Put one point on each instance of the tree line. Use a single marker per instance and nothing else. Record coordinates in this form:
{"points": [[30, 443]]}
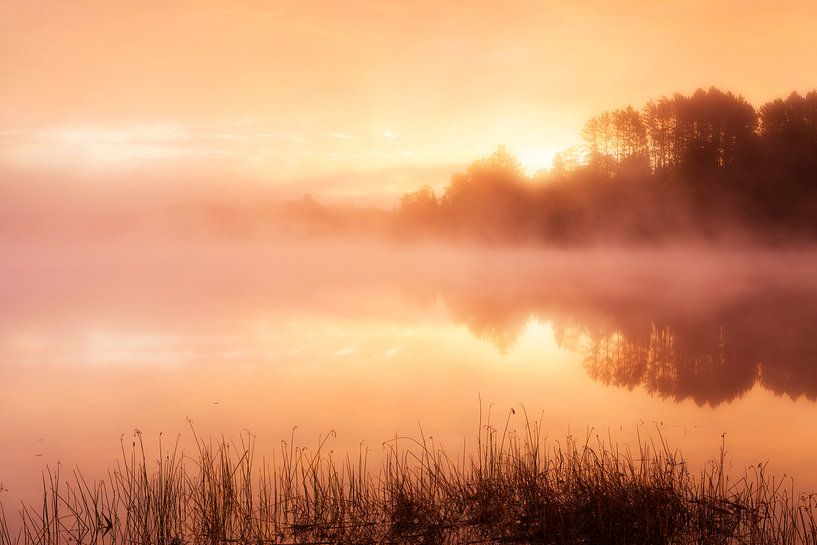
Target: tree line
{"points": [[707, 164]]}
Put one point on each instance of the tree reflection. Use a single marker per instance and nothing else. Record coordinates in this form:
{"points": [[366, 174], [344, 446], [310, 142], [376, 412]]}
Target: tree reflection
{"points": [[708, 355]]}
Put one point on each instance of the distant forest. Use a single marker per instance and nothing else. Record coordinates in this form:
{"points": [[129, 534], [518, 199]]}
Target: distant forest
{"points": [[706, 165]]}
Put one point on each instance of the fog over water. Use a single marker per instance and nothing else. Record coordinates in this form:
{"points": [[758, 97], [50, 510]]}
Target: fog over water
{"points": [[104, 334], [331, 229]]}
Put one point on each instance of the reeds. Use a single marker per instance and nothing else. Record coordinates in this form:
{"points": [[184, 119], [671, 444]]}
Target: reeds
{"points": [[516, 488]]}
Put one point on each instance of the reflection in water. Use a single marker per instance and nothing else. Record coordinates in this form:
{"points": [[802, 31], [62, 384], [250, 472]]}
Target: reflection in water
{"points": [[709, 355], [97, 340], [680, 323]]}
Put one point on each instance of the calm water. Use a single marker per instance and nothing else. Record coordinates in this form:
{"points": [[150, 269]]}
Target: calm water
{"points": [[99, 340]]}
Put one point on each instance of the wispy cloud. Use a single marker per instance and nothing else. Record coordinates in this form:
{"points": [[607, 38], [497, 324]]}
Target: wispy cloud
{"points": [[106, 145], [260, 149]]}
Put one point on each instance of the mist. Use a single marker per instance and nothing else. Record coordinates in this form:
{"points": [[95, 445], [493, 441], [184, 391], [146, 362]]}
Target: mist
{"points": [[696, 297], [432, 272]]}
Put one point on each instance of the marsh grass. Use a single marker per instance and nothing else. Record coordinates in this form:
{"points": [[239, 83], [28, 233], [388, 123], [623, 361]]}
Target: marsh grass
{"points": [[514, 488]]}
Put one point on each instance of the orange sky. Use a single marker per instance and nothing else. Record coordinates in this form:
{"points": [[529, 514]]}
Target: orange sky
{"points": [[358, 98]]}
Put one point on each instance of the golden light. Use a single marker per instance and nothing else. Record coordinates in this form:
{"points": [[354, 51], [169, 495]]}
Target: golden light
{"points": [[535, 159]]}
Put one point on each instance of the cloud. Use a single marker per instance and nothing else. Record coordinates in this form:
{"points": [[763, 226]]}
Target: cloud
{"points": [[128, 146], [331, 165]]}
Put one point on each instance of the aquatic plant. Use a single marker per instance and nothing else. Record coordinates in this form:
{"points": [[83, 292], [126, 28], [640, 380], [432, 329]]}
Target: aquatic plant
{"points": [[516, 487]]}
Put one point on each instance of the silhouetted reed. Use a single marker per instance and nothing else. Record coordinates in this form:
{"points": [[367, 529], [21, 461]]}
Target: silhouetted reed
{"points": [[517, 487]]}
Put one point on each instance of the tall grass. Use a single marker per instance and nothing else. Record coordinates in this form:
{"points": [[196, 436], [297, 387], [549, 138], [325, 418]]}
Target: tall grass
{"points": [[514, 488]]}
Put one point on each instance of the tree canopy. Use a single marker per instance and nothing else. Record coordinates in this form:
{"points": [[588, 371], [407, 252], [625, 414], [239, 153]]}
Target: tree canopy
{"points": [[705, 164]]}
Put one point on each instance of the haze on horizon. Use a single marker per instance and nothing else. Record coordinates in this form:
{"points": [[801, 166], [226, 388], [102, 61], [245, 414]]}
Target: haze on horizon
{"points": [[359, 216], [360, 101]]}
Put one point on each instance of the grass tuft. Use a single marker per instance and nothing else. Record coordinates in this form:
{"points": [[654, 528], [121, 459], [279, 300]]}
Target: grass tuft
{"points": [[517, 488]]}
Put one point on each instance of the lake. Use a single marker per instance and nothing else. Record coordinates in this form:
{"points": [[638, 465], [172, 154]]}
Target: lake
{"points": [[698, 345]]}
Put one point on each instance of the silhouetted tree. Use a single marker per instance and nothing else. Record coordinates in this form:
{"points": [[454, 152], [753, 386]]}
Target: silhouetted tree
{"points": [[660, 121], [489, 198], [696, 165], [630, 134], [419, 211], [711, 127], [565, 164]]}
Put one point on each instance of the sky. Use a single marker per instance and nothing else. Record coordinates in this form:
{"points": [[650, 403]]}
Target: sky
{"points": [[356, 100]]}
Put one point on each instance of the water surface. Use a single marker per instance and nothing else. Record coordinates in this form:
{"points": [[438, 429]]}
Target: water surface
{"points": [[98, 340]]}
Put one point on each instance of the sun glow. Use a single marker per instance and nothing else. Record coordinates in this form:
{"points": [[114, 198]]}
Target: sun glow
{"points": [[534, 159]]}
